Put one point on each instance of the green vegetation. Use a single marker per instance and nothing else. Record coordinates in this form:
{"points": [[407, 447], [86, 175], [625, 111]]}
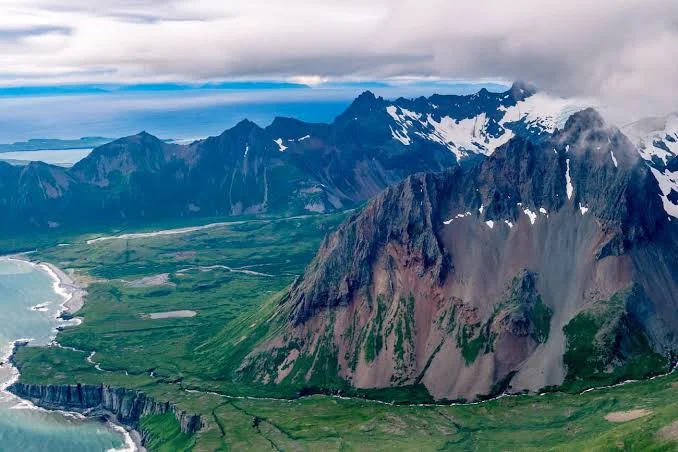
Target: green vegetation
{"points": [[195, 362], [163, 433], [471, 339], [375, 338], [605, 345], [540, 317], [521, 312]]}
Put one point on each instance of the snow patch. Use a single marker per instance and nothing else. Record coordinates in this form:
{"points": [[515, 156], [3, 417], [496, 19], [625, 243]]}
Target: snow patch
{"points": [[614, 160], [247, 149], [583, 209], [404, 119], [281, 146], [569, 188], [305, 137], [482, 207], [544, 211], [459, 215], [531, 215], [465, 135], [544, 112], [667, 181], [400, 136], [655, 137], [490, 223], [510, 225]]}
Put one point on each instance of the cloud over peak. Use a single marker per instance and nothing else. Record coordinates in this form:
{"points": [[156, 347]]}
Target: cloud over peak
{"points": [[622, 52]]}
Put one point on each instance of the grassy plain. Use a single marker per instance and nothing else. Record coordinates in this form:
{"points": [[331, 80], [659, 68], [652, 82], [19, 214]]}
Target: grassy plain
{"points": [[233, 277]]}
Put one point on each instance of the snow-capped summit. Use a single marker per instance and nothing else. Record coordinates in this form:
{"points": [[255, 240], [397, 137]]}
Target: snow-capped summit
{"points": [[657, 142], [481, 122], [655, 137]]}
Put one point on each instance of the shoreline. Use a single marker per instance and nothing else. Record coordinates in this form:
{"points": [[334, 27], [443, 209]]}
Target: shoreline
{"points": [[73, 293]]}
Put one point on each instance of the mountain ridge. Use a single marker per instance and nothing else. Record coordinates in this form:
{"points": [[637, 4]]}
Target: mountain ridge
{"points": [[481, 276], [287, 167]]}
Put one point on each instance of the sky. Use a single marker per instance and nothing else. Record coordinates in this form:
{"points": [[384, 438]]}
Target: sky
{"points": [[622, 52]]}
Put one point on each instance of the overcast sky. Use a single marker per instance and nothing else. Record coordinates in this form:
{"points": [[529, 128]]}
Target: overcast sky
{"points": [[624, 52]]}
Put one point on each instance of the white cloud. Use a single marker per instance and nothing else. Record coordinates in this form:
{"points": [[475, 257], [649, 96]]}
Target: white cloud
{"points": [[621, 51]]}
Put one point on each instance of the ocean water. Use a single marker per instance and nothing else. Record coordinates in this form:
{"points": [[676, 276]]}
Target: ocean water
{"points": [[63, 157], [28, 307]]}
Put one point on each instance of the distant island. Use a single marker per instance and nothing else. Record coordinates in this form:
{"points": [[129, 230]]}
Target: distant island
{"points": [[39, 144]]}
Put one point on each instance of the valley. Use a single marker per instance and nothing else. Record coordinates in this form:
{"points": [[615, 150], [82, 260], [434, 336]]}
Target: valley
{"points": [[338, 226], [485, 271], [190, 361]]}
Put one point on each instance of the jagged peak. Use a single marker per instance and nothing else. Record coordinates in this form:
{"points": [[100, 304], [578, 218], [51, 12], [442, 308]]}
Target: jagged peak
{"points": [[589, 118], [366, 99], [366, 96], [364, 103], [522, 90], [246, 123], [244, 127], [587, 131]]}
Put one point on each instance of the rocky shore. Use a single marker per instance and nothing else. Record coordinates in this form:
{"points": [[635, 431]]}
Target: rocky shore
{"points": [[120, 405], [124, 407]]}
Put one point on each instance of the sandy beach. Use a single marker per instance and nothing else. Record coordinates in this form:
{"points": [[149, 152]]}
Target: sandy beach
{"points": [[67, 286]]}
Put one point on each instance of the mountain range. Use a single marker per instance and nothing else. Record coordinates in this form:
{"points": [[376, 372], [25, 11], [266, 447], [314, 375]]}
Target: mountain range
{"points": [[288, 167], [550, 263], [511, 242]]}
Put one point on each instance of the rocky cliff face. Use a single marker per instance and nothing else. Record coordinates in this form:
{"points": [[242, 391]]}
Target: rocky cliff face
{"points": [[469, 280], [128, 406]]}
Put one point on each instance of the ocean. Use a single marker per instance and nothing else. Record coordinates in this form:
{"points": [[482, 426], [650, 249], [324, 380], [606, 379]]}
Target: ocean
{"points": [[29, 306]]}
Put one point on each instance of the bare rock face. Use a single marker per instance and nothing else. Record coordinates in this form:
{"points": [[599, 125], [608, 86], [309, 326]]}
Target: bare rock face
{"points": [[468, 281], [403, 217], [128, 406]]}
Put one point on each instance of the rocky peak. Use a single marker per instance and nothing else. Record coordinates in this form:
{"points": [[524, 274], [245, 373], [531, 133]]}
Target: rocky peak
{"points": [[363, 105], [124, 156], [245, 125], [521, 90], [403, 215], [242, 129], [519, 176]]}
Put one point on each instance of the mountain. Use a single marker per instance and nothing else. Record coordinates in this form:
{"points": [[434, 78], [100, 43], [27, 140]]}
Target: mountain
{"points": [[551, 262], [288, 167]]}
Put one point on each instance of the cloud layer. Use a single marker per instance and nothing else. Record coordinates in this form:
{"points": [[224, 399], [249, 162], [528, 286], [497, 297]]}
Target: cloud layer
{"points": [[622, 51]]}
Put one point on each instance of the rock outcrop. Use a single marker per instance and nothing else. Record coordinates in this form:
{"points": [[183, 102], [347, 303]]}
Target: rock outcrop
{"points": [[126, 405]]}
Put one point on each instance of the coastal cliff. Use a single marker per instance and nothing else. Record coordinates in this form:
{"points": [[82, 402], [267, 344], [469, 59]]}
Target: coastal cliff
{"points": [[127, 406]]}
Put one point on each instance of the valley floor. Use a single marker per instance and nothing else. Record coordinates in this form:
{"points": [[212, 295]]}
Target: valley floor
{"points": [[173, 315]]}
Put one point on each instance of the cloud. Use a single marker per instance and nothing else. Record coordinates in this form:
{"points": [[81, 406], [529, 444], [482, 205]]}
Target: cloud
{"points": [[621, 51]]}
